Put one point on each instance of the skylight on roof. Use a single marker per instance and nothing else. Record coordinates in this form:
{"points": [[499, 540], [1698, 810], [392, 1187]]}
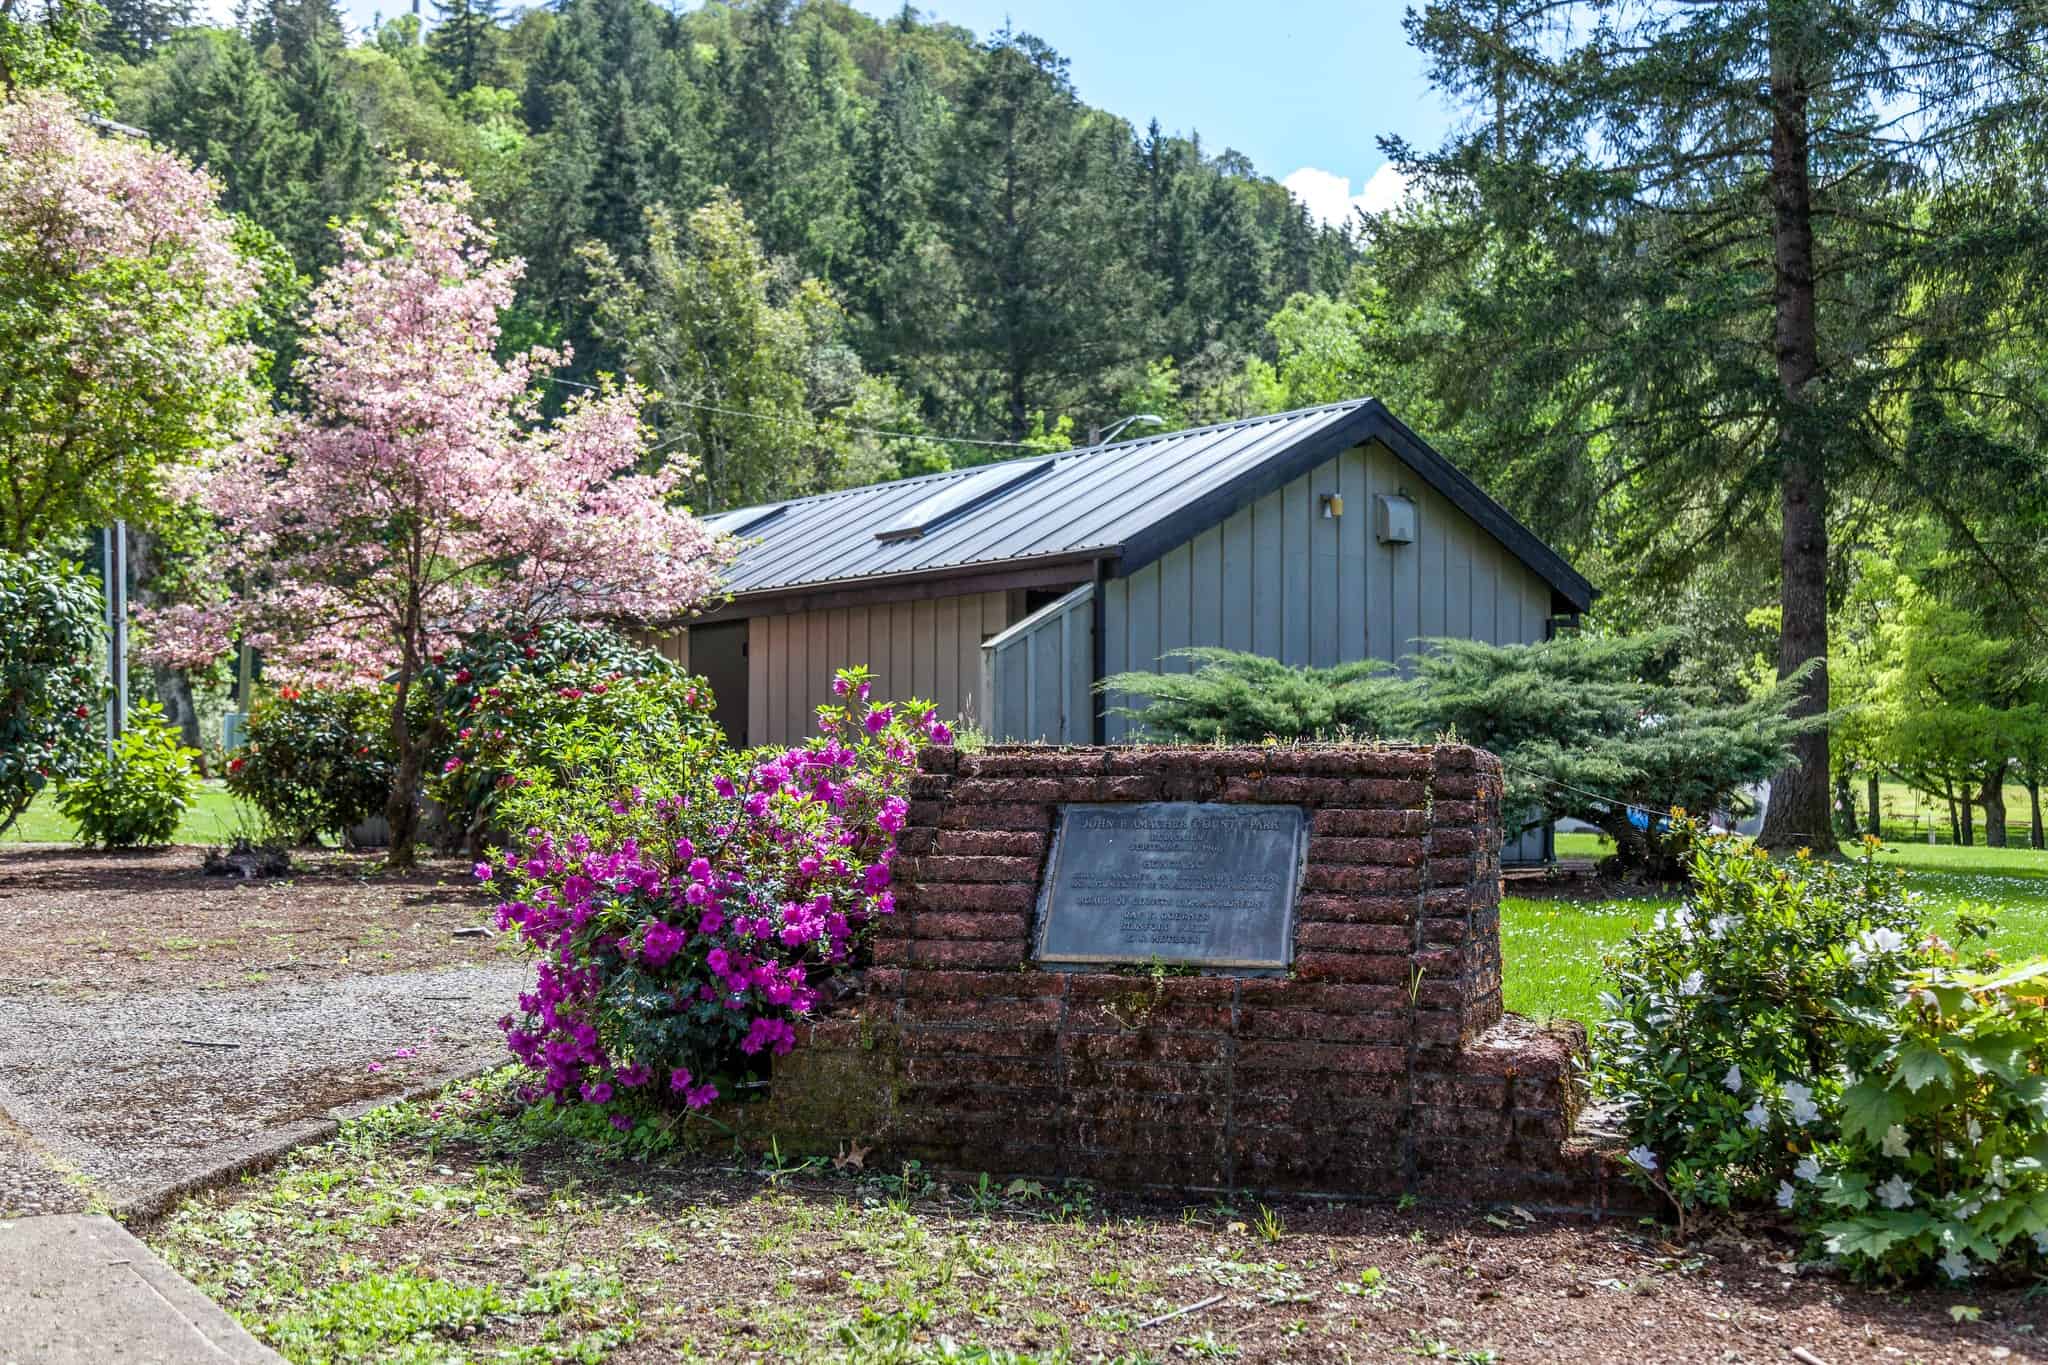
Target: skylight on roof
{"points": [[958, 497], [746, 520]]}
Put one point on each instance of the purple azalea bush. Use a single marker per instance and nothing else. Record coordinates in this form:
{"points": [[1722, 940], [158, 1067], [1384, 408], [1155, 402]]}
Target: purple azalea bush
{"points": [[681, 944]]}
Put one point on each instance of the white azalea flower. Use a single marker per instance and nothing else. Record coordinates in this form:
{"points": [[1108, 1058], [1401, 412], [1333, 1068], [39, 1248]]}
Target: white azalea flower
{"points": [[1695, 984], [1975, 1130], [1758, 1116], [1804, 1110], [1895, 1142], [1998, 1174], [1808, 1169], [1733, 1080], [1643, 1157], [1955, 1265], [1786, 1194], [1872, 942], [1719, 925], [2041, 1242], [1895, 1194]]}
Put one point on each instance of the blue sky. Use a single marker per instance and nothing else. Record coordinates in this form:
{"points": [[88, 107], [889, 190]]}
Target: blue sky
{"points": [[1302, 87]]}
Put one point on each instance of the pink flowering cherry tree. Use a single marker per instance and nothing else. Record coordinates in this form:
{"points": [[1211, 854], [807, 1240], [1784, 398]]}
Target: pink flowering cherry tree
{"points": [[420, 494]]}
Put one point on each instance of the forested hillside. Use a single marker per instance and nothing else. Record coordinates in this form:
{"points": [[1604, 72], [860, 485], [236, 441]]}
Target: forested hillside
{"points": [[790, 220]]}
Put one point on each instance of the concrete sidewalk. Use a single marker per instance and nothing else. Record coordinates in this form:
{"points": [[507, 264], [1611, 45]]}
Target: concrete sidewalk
{"points": [[77, 1289]]}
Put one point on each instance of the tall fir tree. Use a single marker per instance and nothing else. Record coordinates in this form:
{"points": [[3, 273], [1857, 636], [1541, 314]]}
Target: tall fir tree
{"points": [[463, 45], [1044, 300], [133, 29], [341, 171], [1698, 258]]}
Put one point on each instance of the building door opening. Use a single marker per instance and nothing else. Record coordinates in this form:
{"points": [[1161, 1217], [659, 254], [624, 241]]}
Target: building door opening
{"points": [[718, 655]]}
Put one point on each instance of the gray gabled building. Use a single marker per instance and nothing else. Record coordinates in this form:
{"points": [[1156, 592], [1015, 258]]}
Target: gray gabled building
{"points": [[1004, 592]]}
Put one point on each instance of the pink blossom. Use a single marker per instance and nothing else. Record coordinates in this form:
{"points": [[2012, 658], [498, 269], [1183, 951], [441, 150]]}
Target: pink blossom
{"points": [[420, 495]]}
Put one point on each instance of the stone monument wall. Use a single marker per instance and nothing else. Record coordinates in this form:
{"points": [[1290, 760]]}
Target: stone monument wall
{"points": [[1379, 1062]]}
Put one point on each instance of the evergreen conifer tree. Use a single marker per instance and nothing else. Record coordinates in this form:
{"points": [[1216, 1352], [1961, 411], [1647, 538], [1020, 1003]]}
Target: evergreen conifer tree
{"points": [[1699, 255]]}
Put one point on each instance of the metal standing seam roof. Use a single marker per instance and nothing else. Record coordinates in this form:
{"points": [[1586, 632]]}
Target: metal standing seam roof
{"points": [[1131, 501]]}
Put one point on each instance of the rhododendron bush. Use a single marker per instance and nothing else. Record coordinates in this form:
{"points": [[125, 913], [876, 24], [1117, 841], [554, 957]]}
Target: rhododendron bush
{"points": [[560, 704], [420, 496], [683, 940], [1795, 1037]]}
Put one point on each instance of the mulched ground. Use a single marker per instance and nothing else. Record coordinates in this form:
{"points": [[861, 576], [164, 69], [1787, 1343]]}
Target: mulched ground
{"points": [[74, 920], [548, 1241]]}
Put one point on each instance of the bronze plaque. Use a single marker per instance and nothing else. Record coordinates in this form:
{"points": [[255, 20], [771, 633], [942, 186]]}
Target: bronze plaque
{"points": [[1192, 883]]}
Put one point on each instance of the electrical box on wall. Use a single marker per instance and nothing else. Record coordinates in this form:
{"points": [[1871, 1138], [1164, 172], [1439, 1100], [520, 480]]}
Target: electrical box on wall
{"points": [[1396, 520]]}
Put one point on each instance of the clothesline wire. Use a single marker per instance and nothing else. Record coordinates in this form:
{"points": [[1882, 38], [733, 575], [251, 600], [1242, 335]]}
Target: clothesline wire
{"points": [[792, 421]]}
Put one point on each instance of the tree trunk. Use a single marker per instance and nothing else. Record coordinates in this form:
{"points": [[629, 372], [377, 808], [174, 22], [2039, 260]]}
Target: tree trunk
{"points": [[1992, 797], [1967, 837], [402, 806], [1845, 803], [1955, 826], [1799, 810], [1870, 799], [2034, 809]]}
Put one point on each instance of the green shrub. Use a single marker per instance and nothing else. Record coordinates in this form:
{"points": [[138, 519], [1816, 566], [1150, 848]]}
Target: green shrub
{"points": [[1588, 727], [546, 749], [1793, 1037], [49, 687], [135, 796], [1234, 698], [1942, 1162], [471, 703], [318, 760]]}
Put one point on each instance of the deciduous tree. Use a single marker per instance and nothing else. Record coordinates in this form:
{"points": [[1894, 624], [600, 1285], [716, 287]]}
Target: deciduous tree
{"points": [[418, 496], [124, 310]]}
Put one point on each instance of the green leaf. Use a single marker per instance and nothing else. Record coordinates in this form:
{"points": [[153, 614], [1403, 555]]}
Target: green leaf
{"points": [[1919, 1066], [1869, 1236], [1868, 1109]]}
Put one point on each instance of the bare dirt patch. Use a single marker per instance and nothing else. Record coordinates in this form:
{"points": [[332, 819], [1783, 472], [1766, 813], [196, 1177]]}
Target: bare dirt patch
{"points": [[75, 920], [556, 1249]]}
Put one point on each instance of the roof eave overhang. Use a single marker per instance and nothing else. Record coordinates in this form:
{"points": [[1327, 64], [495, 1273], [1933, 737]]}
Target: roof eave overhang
{"points": [[1064, 569]]}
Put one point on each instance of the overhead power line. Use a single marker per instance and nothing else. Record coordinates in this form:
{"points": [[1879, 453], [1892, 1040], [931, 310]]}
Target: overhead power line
{"points": [[797, 422]]}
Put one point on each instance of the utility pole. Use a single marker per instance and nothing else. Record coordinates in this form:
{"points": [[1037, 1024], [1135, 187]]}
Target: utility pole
{"points": [[114, 578]]}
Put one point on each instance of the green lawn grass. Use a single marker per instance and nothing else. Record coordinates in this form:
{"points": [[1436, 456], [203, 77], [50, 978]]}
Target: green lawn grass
{"points": [[1551, 949], [213, 818]]}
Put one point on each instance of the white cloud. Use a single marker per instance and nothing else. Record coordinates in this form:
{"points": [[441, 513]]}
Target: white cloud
{"points": [[1329, 198]]}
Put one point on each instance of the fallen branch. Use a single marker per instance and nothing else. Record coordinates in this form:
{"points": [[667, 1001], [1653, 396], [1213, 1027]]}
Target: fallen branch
{"points": [[206, 1042], [1179, 1312], [1806, 1357]]}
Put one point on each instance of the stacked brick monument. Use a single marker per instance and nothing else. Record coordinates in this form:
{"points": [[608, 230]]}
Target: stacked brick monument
{"points": [[1360, 1049]]}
